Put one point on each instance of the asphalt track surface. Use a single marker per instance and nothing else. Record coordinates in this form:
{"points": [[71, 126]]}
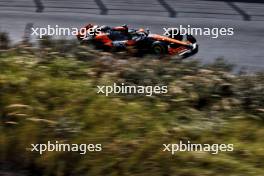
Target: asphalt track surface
{"points": [[245, 48]]}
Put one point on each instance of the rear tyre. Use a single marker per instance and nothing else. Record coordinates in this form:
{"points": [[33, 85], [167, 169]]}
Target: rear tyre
{"points": [[159, 48]]}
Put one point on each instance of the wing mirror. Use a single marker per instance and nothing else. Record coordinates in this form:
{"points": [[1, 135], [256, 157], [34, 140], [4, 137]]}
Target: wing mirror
{"points": [[147, 31]]}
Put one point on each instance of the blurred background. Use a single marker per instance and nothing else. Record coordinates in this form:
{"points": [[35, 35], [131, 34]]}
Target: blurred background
{"points": [[48, 91]]}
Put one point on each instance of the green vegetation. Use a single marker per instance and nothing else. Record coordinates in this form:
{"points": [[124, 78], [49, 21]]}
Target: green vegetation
{"points": [[49, 93]]}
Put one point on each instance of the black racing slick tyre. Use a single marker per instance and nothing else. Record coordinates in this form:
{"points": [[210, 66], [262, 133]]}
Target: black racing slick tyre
{"points": [[159, 48]]}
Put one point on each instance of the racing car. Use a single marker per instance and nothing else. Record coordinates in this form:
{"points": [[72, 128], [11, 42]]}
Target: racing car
{"points": [[121, 38]]}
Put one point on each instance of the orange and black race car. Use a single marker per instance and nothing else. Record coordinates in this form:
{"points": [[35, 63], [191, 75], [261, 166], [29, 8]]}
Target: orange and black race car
{"points": [[121, 38]]}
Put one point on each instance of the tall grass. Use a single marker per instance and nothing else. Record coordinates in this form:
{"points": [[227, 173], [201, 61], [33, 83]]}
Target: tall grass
{"points": [[49, 93]]}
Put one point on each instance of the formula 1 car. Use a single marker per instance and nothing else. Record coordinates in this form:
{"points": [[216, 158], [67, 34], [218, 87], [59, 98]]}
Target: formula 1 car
{"points": [[121, 38]]}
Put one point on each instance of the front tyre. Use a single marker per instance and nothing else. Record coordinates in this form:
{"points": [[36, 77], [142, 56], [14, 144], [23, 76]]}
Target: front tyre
{"points": [[159, 48]]}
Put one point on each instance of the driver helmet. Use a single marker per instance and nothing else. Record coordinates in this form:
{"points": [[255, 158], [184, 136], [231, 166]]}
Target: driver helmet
{"points": [[141, 30]]}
